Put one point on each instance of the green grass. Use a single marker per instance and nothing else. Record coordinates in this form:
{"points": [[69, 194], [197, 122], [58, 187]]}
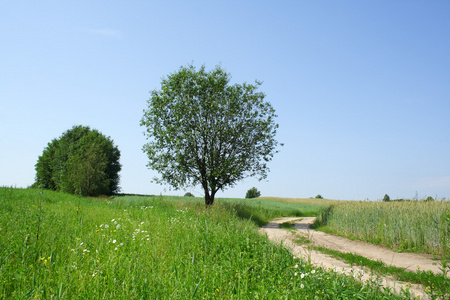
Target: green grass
{"points": [[59, 246], [413, 226], [260, 210]]}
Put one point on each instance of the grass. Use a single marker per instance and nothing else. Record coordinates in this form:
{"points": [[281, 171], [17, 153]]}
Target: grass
{"points": [[415, 226], [59, 246]]}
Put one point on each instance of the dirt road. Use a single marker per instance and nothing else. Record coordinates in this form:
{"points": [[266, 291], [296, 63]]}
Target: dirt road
{"points": [[408, 261]]}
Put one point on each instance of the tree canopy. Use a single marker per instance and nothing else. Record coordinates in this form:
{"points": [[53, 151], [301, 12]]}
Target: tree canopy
{"points": [[203, 131], [82, 161]]}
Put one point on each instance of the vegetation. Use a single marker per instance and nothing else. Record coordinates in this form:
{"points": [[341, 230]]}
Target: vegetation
{"points": [[319, 196], [386, 198], [55, 245], [189, 195], [203, 131], [82, 161], [418, 226], [253, 193]]}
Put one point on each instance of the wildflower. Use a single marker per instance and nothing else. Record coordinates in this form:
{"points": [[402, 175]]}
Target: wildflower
{"points": [[118, 226], [303, 275], [295, 274], [302, 286], [106, 226], [296, 266], [313, 271], [113, 220], [121, 244], [115, 249], [114, 241]]}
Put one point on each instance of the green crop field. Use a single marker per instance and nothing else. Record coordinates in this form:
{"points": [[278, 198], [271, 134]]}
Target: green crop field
{"points": [[418, 226], [59, 246]]}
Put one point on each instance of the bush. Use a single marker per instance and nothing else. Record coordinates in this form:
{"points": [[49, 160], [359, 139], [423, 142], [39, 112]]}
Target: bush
{"points": [[319, 196], [189, 195], [253, 193], [386, 198], [82, 161]]}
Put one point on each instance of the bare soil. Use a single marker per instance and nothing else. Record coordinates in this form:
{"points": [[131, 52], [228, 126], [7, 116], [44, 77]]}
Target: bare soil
{"points": [[408, 261]]}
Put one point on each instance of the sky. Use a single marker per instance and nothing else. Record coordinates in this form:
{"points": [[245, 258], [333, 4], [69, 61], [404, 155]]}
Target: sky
{"points": [[361, 88]]}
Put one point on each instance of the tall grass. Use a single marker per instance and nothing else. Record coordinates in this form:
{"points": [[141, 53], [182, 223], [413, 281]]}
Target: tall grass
{"points": [[262, 210], [59, 246], [418, 226]]}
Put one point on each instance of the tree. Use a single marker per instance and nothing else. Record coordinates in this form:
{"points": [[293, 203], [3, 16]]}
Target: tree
{"points": [[319, 196], [253, 193], [386, 198], [82, 161], [203, 131]]}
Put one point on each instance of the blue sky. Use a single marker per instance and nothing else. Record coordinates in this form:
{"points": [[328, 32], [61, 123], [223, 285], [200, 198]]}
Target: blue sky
{"points": [[361, 88]]}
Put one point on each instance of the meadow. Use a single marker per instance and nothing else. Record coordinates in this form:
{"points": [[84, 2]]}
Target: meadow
{"points": [[59, 246], [416, 226]]}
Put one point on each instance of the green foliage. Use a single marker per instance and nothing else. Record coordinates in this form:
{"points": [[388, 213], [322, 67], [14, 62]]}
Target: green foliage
{"points": [[82, 161], [386, 198], [253, 193], [59, 246], [189, 195], [203, 131], [319, 197], [429, 198]]}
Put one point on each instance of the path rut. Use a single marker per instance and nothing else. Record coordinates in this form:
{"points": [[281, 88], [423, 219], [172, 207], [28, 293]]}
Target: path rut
{"points": [[408, 261]]}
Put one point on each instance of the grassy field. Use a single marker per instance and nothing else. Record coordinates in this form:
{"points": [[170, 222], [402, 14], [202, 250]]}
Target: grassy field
{"points": [[59, 246], [418, 226]]}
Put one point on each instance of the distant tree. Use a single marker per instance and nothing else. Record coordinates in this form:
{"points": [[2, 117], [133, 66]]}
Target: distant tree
{"points": [[253, 193], [203, 131], [319, 197], [82, 161], [429, 198], [189, 195], [386, 198]]}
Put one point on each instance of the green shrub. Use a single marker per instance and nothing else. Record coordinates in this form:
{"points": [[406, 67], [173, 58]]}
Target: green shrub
{"points": [[386, 198], [319, 196], [253, 193], [189, 195], [82, 161]]}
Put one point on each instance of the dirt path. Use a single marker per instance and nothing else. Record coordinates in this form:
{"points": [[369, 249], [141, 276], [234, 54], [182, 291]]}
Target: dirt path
{"points": [[408, 261]]}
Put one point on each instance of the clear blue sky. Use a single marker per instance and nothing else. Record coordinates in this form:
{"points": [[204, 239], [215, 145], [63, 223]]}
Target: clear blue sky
{"points": [[361, 88]]}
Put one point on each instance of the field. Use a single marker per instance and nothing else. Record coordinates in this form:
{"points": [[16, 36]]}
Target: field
{"points": [[416, 226], [59, 246]]}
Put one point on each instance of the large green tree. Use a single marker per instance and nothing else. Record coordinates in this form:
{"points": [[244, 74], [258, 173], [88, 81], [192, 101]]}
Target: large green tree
{"points": [[203, 131], [82, 161]]}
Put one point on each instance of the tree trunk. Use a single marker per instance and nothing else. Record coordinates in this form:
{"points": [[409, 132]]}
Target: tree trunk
{"points": [[208, 200], [209, 197]]}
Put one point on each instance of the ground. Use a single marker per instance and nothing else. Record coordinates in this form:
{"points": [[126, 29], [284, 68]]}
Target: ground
{"points": [[408, 261]]}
